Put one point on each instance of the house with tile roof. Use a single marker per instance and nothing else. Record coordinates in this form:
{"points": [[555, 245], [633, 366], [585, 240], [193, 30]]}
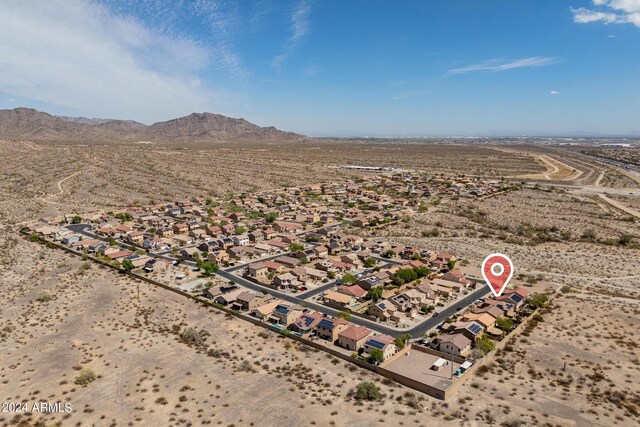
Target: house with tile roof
{"points": [[353, 337], [381, 342], [328, 329]]}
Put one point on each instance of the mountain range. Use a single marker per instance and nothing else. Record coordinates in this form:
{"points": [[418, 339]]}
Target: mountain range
{"points": [[33, 125]]}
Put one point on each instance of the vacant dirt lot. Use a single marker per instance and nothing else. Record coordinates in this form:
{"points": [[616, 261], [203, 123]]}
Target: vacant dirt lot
{"points": [[60, 317]]}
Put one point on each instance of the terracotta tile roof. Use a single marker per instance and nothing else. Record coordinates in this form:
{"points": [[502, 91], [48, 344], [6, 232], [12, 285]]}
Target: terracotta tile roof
{"points": [[355, 333]]}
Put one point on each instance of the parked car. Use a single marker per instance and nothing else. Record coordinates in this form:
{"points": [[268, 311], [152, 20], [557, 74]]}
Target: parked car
{"points": [[435, 314]]}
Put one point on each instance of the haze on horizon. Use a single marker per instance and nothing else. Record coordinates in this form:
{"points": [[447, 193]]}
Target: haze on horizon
{"points": [[331, 68]]}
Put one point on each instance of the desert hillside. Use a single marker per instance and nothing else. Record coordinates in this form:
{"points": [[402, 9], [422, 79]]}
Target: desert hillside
{"points": [[33, 125]]}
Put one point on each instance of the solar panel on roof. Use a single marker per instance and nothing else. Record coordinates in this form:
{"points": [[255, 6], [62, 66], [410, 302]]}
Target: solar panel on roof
{"points": [[308, 321], [326, 324], [516, 297], [474, 328], [282, 309], [376, 344]]}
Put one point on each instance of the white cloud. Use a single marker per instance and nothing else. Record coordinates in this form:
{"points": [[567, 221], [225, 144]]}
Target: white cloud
{"points": [[555, 92], [299, 29], [609, 12], [81, 56], [496, 65]]}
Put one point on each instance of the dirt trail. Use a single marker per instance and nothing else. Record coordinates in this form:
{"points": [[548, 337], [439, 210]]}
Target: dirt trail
{"points": [[620, 206], [32, 146], [599, 179], [630, 175], [556, 170], [60, 189], [569, 276]]}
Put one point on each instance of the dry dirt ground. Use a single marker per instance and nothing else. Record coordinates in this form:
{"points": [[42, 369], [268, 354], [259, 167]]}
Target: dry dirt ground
{"points": [[555, 170], [129, 333]]}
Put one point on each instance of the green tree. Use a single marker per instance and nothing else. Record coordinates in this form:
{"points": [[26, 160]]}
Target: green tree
{"points": [[421, 271], [344, 315], [239, 230], [451, 264], [127, 264], [367, 391], [34, 237], [369, 262], [76, 219], [538, 300], [208, 268], [505, 324], [485, 344], [375, 293], [348, 279], [331, 274], [270, 217], [402, 340], [296, 247], [406, 275], [376, 356]]}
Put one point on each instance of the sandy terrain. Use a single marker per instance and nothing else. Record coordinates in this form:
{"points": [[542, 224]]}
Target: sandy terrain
{"points": [[556, 170], [128, 333]]}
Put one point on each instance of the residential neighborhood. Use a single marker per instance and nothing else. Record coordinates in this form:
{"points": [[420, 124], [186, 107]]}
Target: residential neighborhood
{"points": [[297, 261]]}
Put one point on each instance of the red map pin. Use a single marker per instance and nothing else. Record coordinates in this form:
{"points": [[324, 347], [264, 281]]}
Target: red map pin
{"points": [[497, 270]]}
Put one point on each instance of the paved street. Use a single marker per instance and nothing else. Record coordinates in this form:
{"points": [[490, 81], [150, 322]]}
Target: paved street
{"points": [[227, 274]]}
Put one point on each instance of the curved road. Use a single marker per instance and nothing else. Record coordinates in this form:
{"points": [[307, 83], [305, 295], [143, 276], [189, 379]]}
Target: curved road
{"points": [[416, 331]]}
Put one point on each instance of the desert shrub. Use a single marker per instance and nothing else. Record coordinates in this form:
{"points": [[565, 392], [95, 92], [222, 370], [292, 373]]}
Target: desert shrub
{"points": [[588, 234], [191, 336], [85, 377], [413, 401], [434, 232], [367, 391], [45, 297], [513, 423], [625, 239], [216, 353], [245, 366]]}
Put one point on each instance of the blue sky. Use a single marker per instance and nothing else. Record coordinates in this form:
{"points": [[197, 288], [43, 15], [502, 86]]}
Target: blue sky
{"points": [[321, 67]]}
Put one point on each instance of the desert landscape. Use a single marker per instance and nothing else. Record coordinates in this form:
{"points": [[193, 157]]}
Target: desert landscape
{"points": [[319, 213], [575, 364]]}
